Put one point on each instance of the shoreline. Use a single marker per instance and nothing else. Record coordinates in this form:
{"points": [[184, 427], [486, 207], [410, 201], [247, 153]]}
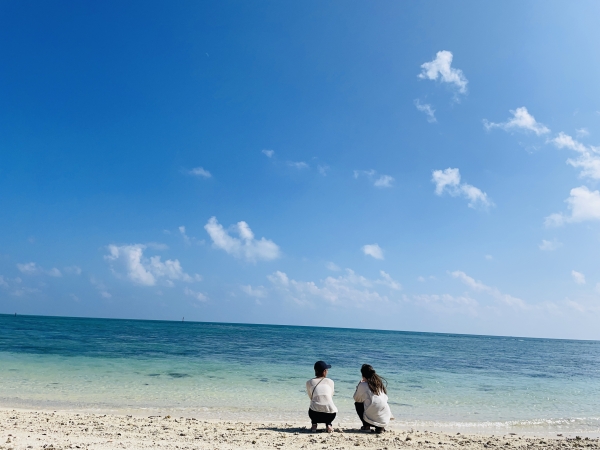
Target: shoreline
{"points": [[28, 429]]}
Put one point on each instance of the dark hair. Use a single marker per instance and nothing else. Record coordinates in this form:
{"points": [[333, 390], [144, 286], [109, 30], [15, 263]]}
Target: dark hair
{"points": [[319, 373], [376, 383]]}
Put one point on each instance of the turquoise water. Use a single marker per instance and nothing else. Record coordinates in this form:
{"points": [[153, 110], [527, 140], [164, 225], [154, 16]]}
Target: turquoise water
{"points": [[257, 372]]}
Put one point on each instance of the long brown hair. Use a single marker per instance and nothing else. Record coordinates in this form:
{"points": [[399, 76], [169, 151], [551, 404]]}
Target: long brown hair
{"points": [[376, 383]]}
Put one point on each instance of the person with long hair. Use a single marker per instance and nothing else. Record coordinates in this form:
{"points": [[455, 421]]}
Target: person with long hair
{"points": [[320, 391], [371, 400]]}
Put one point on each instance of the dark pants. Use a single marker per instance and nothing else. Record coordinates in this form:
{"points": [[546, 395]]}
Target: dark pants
{"points": [[360, 410], [320, 417]]}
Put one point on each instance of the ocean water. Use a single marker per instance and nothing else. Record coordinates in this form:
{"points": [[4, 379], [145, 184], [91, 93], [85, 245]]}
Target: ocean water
{"points": [[492, 385]]}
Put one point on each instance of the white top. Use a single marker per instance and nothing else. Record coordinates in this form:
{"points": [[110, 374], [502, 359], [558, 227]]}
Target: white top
{"points": [[377, 410], [320, 391]]}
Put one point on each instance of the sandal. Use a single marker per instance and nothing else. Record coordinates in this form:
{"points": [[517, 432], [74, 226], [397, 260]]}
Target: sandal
{"points": [[365, 428]]}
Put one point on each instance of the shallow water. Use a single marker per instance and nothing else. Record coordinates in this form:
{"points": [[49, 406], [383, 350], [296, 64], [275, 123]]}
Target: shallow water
{"points": [[257, 372]]}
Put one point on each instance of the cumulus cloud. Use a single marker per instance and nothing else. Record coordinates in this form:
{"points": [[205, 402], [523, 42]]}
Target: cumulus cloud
{"points": [[298, 164], [448, 180], [583, 204], [441, 67], [196, 295], [578, 277], [246, 246], [478, 286], [73, 270], [200, 172], [268, 153], [549, 246], [145, 271], [185, 237], [380, 181], [256, 292], [373, 250], [427, 109], [387, 280], [589, 156], [521, 121], [32, 268], [348, 289]]}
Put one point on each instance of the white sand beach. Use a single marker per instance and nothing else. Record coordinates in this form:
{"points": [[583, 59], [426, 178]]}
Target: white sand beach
{"points": [[21, 430]]}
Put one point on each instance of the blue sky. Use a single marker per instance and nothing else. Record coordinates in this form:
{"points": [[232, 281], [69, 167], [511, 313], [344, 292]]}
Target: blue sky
{"points": [[399, 165]]}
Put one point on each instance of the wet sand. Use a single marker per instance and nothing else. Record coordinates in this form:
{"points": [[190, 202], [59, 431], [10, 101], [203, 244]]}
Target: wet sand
{"points": [[21, 430]]}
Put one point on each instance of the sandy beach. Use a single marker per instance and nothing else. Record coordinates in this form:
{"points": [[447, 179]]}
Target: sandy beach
{"points": [[20, 430]]}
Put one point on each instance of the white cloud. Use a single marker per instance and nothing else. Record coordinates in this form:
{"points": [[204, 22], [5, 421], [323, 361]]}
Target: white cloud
{"points": [[101, 287], [373, 250], [298, 164], [489, 257], [142, 270], [521, 120], [197, 295], [73, 270], [446, 300], [478, 286], [381, 181], [257, 292], [588, 159], [3, 282], [349, 289], [388, 281], [333, 267], [246, 246], [185, 237], [32, 268], [582, 132], [578, 277], [441, 68], [549, 246], [584, 205], [427, 109], [269, 153], [200, 172], [323, 169], [448, 180]]}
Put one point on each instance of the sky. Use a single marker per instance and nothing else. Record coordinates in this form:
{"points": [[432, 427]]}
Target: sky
{"points": [[419, 166]]}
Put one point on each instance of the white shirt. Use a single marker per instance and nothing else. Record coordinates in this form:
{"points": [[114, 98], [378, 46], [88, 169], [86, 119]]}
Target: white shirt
{"points": [[377, 410], [320, 391]]}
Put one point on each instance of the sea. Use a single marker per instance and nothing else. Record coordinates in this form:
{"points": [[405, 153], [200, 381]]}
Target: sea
{"points": [[243, 372]]}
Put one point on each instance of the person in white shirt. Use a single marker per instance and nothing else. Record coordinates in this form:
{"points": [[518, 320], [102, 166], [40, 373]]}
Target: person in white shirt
{"points": [[371, 400], [320, 391]]}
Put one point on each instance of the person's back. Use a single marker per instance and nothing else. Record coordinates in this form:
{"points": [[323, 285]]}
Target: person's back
{"points": [[320, 390], [371, 400]]}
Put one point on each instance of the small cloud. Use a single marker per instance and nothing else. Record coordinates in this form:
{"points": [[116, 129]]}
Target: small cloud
{"points": [[373, 250], [489, 257], [448, 180], [549, 246], [421, 279], [323, 170], [298, 164], [3, 282], [584, 205], [441, 67], [73, 270], [582, 132], [578, 277], [268, 153], [427, 109], [521, 120], [588, 159], [200, 172], [246, 246], [196, 295], [333, 267], [388, 281], [257, 292], [185, 237], [101, 287], [32, 268], [380, 181]]}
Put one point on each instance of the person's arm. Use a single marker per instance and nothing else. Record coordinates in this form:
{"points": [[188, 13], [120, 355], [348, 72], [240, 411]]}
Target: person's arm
{"points": [[332, 388], [308, 389], [359, 395]]}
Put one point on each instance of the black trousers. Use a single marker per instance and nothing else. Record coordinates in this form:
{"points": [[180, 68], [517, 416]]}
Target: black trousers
{"points": [[360, 410], [320, 417]]}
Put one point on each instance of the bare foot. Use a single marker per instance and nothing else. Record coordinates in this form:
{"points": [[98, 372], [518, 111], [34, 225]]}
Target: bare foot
{"points": [[329, 429], [313, 429]]}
